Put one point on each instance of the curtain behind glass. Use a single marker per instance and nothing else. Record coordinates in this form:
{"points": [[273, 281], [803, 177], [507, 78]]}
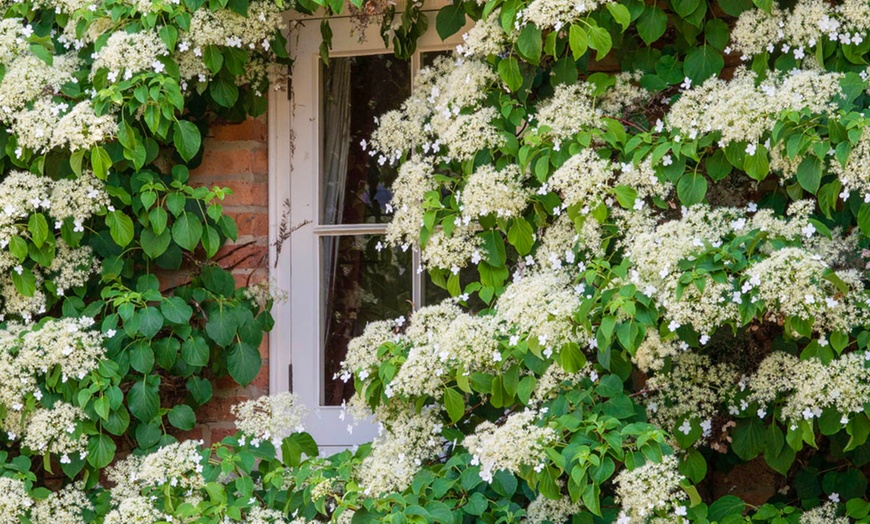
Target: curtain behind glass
{"points": [[336, 145]]}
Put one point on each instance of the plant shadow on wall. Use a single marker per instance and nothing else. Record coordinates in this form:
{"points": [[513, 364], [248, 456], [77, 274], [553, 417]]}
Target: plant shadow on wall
{"points": [[674, 266]]}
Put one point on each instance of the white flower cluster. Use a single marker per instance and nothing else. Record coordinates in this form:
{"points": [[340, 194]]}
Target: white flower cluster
{"points": [[584, 179], [489, 190], [556, 14], [694, 387], [271, 417], [855, 175], [13, 38], [519, 441], [133, 509], [362, 352], [486, 38], [625, 96], [824, 514], [791, 282], [28, 77], [452, 251], [570, 110], [742, 111], [464, 341], [564, 238], [415, 179], [543, 509], [66, 344], [48, 125], [126, 54], [55, 431], [798, 31], [65, 506], [177, 466], [540, 305], [650, 489], [788, 281], [443, 112], [809, 386], [401, 448], [14, 500]]}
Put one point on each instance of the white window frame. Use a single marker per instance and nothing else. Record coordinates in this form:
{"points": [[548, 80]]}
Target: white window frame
{"points": [[294, 169]]}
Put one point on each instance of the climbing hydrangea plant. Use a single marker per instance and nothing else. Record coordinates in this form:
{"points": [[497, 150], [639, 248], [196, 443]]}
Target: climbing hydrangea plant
{"points": [[664, 209]]}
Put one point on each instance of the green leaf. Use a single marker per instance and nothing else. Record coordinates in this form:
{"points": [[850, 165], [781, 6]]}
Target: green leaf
{"points": [[572, 357], [651, 25], [38, 227], [224, 92], [143, 401], [450, 20], [213, 58], [684, 8], [703, 62], [621, 14], [625, 195], [578, 40], [150, 321], [154, 245], [521, 236], [509, 72], [454, 402], [221, 326], [100, 162], [725, 506], [693, 465], [25, 281], [864, 219], [243, 363], [195, 351], [692, 188], [120, 227], [757, 166], [476, 505], [749, 438], [187, 231], [809, 173], [176, 310], [142, 357], [530, 43], [599, 39], [200, 389], [609, 386], [158, 219], [101, 451], [182, 417], [186, 138], [148, 435]]}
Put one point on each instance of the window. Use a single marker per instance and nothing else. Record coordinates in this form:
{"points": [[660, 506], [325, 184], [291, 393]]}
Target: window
{"points": [[338, 273]]}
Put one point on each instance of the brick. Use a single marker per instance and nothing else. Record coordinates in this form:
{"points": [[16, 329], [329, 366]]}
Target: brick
{"points": [[220, 162], [244, 256], [218, 433], [199, 432], [251, 223], [246, 193], [260, 161], [218, 408], [251, 129], [261, 381]]}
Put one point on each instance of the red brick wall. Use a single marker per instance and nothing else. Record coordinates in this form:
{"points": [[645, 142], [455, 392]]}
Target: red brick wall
{"points": [[236, 156]]}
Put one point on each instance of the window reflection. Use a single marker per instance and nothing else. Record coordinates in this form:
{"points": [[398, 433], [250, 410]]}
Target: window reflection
{"points": [[354, 187], [360, 284]]}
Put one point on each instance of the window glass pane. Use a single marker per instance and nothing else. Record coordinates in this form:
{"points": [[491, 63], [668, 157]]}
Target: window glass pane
{"points": [[354, 188], [359, 284]]}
